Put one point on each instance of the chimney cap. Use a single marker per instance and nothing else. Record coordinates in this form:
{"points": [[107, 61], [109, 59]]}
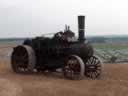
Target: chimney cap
{"points": [[81, 16]]}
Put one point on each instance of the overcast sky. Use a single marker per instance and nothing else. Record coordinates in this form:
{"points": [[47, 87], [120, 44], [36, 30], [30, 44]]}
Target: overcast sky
{"points": [[26, 18]]}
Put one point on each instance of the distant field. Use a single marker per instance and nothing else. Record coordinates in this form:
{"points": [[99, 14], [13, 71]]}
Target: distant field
{"points": [[109, 50], [116, 46]]}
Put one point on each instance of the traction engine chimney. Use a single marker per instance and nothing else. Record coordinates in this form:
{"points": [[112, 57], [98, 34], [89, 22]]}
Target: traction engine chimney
{"points": [[81, 28]]}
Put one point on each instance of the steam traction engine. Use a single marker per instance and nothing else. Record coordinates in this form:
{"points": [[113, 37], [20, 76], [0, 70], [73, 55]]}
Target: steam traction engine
{"points": [[62, 51]]}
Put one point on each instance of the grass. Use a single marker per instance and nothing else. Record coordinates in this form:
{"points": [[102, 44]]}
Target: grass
{"points": [[116, 46]]}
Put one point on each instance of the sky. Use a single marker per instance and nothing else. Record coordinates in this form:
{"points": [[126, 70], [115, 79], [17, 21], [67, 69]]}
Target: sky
{"points": [[29, 18]]}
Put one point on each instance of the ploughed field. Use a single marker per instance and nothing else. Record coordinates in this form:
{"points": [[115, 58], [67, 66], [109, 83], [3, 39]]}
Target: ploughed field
{"points": [[113, 82]]}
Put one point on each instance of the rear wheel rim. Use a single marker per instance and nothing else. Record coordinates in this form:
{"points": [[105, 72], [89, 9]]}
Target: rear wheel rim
{"points": [[74, 68]]}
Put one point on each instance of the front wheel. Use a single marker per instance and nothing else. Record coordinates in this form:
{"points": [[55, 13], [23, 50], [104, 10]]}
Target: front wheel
{"points": [[93, 67]]}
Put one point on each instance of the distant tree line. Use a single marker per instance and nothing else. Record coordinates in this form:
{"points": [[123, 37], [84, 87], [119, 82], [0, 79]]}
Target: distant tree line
{"points": [[97, 40]]}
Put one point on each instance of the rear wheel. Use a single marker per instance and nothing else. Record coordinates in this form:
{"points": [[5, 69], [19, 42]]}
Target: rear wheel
{"points": [[74, 68], [23, 59]]}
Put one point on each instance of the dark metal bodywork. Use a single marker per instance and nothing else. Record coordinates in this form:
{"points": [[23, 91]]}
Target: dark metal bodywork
{"points": [[51, 52]]}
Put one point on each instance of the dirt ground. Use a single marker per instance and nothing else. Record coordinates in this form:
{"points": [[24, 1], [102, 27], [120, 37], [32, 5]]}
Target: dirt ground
{"points": [[113, 82]]}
